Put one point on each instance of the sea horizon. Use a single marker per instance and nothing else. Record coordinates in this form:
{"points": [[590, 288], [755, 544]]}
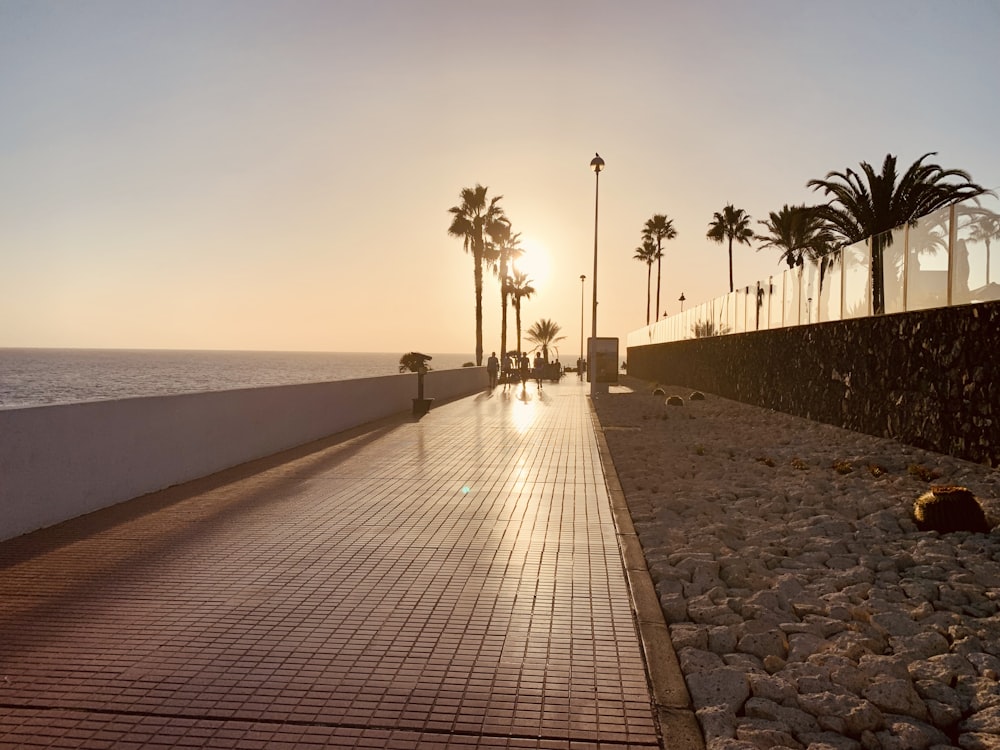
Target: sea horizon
{"points": [[44, 376]]}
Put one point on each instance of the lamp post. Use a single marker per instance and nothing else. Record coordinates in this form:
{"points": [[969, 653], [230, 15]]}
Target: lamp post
{"points": [[597, 164], [681, 300], [579, 363]]}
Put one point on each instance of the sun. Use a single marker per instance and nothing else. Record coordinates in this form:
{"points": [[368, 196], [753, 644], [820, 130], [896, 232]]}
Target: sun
{"points": [[535, 262]]}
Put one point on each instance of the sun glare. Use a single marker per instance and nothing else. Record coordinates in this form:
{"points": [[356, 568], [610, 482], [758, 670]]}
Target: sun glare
{"points": [[535, 261]]}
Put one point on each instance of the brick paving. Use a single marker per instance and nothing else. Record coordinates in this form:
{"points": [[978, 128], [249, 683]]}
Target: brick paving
{"points": [[454, 582]]}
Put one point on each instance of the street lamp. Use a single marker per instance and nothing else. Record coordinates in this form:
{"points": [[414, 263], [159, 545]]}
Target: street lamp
{"points": [[579, 362], [597, 164], [681, 300]]}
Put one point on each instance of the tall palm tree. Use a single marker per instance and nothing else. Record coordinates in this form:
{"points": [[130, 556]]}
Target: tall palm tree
{"points": [[508, 250], [477, 220], [647, 253], [544, 333], [871, 203], [799, 232], [658, 228], [732, 224], [520, 289]]}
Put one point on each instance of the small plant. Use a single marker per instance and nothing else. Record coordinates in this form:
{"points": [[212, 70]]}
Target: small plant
{"points": [[945, 509], [675, 401], [697, 396], [921, 472], [765, 460], [876, 470], [414, 362], [843, 467], [700, 450], [798, 463]]}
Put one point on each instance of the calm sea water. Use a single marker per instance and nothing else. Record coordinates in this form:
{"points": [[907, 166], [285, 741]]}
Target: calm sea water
{"points": [[33, 377]]}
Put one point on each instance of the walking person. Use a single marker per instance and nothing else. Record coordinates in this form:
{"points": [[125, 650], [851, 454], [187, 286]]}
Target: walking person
{"points": [[492, 367], [539, 369], [523, 366]]}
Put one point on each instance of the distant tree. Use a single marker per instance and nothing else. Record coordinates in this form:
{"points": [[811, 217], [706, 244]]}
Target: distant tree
{"points": [[477, 220], [732, 224], [658, 228], [647, 253], [508, 250], [520, 289], [544, 333], [871, 204], [799, 232]]}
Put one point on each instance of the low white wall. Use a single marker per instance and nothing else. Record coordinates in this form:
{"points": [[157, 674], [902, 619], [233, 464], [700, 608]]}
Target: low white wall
{"points": [[59, 462]]}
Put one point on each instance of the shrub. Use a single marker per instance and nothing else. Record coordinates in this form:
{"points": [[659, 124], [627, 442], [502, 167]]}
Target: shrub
{"points": [[945, 509]]}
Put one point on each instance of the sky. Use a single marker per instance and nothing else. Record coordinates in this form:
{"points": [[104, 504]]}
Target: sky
{"points": [[242, 174]]}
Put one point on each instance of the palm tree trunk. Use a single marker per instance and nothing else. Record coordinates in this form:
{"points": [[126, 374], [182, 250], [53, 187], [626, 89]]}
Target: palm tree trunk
{"points": [[878, 277], [517, 313], [503, 323], [656, 312], [730, 263], [649, 280], [479, 308]]}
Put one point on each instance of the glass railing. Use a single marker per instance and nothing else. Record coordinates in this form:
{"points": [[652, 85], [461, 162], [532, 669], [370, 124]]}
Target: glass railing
{"points": [[944, 259]]}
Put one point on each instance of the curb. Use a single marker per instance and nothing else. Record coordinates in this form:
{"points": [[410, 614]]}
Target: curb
{"points": [[679, 729]]}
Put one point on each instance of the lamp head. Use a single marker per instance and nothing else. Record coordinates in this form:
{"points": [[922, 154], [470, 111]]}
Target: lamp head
{"points": [[597, 163]]}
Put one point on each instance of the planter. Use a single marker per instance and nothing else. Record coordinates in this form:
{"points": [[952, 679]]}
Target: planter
{"points": [[421, 406]]}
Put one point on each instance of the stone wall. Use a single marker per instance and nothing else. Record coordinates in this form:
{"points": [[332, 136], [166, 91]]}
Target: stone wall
{"points": [[927, 378]]}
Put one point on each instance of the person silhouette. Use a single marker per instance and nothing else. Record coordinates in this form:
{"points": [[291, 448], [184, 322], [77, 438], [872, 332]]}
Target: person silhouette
{"points": [[493, 367]]}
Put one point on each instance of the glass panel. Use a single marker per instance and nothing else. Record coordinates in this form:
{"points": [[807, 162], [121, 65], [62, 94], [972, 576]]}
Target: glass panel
{"points": [[757, 307], [830, 280], [791, 283], [893, 252], [775, 303], [927, 262], [977, 238], [857, 281], [739, 310], [810, 292]]}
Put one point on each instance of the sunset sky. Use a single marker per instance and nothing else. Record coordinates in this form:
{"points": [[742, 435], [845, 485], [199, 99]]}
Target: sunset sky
{"points": [[239, 174]]}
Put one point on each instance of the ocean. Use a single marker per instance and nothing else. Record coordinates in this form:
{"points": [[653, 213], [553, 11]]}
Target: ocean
{"points": [[36, 377]]}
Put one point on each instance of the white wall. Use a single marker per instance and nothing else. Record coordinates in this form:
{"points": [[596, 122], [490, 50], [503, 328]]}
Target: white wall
{"points": [[59, 462]]}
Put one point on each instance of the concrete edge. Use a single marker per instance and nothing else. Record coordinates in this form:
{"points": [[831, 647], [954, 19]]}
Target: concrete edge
{"points": [[679, 727]]}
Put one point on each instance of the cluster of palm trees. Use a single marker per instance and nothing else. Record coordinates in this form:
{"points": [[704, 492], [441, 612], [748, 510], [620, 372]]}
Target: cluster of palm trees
{"points": [[480, 222], [861, 204]]}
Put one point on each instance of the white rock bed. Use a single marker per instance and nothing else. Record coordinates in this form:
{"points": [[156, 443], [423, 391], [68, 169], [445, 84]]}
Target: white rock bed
{"points": [[806, 608]]}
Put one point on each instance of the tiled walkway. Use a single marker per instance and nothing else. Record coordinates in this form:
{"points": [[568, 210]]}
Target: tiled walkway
{"points": [[453, 582]]}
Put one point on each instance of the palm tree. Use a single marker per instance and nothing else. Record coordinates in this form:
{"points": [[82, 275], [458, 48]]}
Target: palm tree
{"points": [[871, 204], [520, 289], [985, 228], [544, 333], [476, 220], [658, 228], [799, 232], [732, 224], [647, 253], [508, 250]]}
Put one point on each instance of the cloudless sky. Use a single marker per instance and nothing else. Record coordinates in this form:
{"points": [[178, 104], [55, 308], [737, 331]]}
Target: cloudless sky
{"points": [[240, 174]]}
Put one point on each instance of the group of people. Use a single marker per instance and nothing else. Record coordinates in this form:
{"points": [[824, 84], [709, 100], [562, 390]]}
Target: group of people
{"points": [[515, 368]]}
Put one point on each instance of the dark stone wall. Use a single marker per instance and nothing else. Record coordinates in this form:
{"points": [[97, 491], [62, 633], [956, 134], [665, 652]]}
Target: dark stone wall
{"points": [[927, 378]]}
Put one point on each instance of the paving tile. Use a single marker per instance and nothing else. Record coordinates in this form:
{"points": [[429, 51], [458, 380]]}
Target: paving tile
{"points": [[449, 582]]}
